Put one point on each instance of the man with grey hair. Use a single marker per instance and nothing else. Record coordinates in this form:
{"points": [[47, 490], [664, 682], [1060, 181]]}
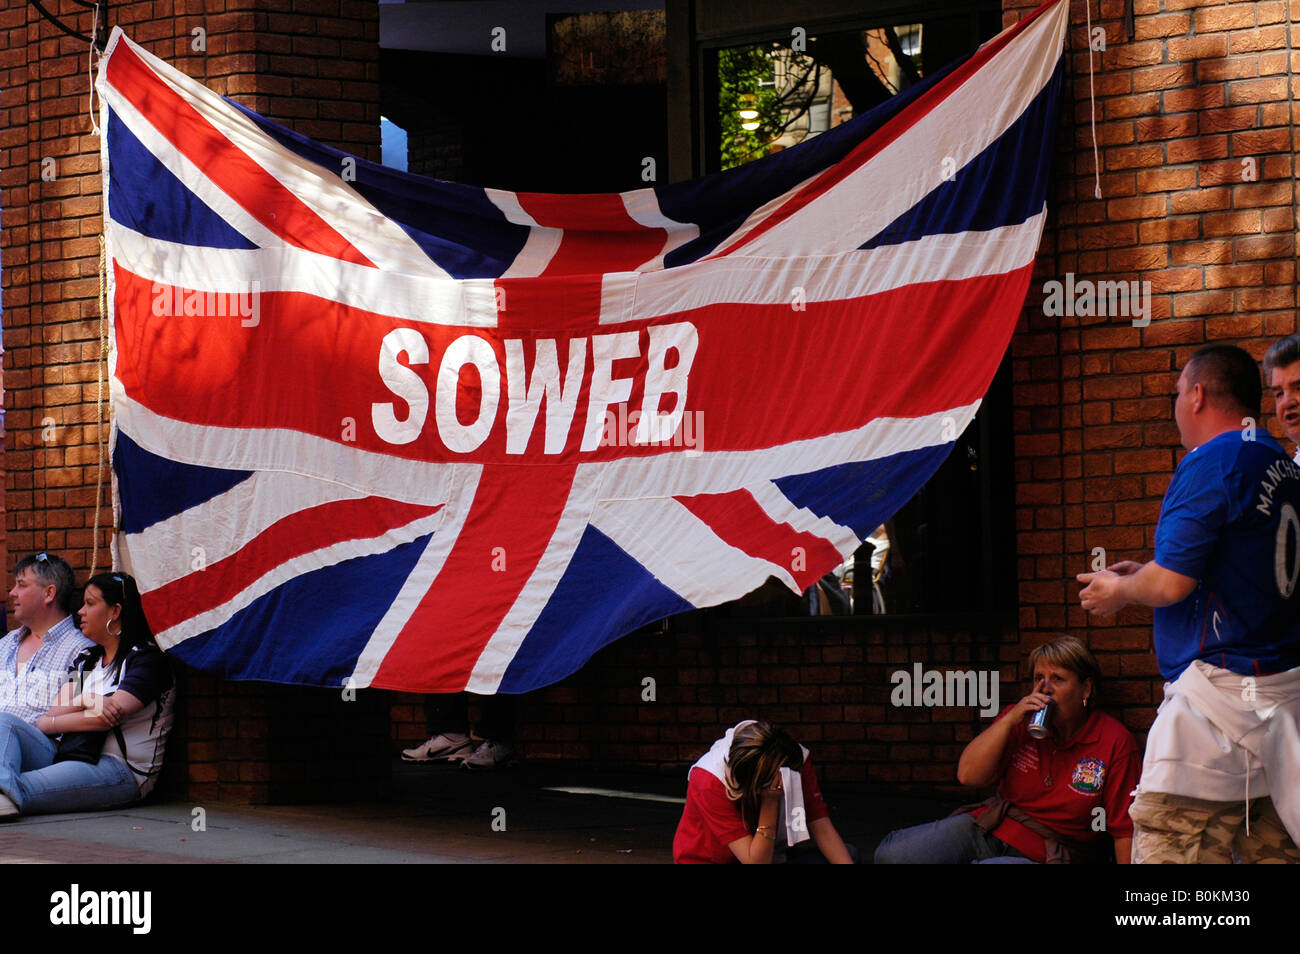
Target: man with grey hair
{"points": [[34, 658], [1282, 376]]}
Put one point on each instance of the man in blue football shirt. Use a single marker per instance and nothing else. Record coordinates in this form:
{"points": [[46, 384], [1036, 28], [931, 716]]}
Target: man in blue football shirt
{"points": [[1227, 631]]}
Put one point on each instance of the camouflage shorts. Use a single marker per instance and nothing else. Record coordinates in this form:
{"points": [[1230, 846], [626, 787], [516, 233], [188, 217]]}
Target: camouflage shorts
{"points": [[1178, 830]]}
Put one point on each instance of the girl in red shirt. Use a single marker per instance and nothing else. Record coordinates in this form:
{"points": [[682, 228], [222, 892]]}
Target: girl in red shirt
{"points": [[741, 805]]}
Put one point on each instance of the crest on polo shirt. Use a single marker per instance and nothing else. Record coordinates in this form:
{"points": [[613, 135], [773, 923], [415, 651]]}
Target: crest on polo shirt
{"points": [[1089, 775]]}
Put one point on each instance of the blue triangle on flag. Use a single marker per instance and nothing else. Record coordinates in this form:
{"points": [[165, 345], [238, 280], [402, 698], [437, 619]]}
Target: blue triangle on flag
{"points": [[603, 594], [864, 494], [321, 621], [455, 224], [143, 195], [153, 488]]}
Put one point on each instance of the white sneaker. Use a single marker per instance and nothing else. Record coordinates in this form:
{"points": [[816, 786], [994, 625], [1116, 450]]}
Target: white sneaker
{"points": [[7, 807], [490, 755], [449, 747]]}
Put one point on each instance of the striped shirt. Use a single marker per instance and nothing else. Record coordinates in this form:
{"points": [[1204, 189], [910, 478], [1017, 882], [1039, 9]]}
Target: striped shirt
{"points": [[28, 691]]}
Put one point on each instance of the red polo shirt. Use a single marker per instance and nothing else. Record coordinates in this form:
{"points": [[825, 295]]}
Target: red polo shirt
{"points": [[1061, 786], [711, 821]]}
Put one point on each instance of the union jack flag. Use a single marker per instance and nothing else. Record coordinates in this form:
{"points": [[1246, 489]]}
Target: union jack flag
{"points": [[417, 435]]}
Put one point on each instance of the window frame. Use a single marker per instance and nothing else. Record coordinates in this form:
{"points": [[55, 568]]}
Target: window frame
{"points": [[994, 432]]}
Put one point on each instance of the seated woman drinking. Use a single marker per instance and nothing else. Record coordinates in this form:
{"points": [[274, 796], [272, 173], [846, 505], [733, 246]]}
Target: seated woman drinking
{"points": [[1063, 797], [101, 744]]}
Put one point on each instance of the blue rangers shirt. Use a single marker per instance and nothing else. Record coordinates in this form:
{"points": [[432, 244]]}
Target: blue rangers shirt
{"points": [[1231, 521]]}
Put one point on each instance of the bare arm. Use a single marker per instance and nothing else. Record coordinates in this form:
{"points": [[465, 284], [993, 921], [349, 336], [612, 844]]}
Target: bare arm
{"points": [[1107, 592], [757, 849], [67, 701], [65, 712], [981, 759], [829, 842], [1123, 851], [93, 714]]}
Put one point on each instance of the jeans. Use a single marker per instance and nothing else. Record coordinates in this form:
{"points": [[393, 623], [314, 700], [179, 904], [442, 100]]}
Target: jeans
{"points": [[952, 841], [40, 786]]}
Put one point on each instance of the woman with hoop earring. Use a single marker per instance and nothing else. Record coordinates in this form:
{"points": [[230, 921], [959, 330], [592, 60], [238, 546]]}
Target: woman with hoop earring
{"points": [[101, 744]]}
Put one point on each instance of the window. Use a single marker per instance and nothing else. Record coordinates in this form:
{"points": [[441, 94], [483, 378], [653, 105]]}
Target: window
{"points": [[761, 97], [949, 549]]}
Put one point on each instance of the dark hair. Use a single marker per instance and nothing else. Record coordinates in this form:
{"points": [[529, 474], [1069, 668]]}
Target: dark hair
{"points": [[757, 751], [52, 570], [1069, 652], [119, 589], [1225, 371], [1283, 352]]}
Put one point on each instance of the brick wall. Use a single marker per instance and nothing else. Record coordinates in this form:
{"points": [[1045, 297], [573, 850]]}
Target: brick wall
{"points": [[1186, 111], [827, 680], [311, 64], [436, 152], [269, 62], [50, 236]]}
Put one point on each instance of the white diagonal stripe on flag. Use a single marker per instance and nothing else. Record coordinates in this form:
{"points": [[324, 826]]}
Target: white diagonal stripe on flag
{"points": [[505, 642], [296, 566], [270, 449], [668, 475], [958, 128], [682, 551], [228, 522], [746, 279], [189, 175], [540, 246], [642, 207], [284, 268], [464, 485], [345, 210], [782, 510]]}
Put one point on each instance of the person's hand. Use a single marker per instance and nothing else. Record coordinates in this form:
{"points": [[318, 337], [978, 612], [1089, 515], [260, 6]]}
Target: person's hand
{"points": [[1125, 567], [1101, 595], [1031, 703], [90, 703], [773, 791], [113, 712]]}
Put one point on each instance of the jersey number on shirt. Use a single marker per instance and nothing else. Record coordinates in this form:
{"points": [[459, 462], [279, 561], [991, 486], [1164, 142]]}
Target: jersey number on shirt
{"points": [[1288, 571]]}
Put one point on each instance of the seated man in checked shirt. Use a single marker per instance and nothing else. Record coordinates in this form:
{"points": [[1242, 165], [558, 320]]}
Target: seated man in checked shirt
{"points": [[34, 658]]}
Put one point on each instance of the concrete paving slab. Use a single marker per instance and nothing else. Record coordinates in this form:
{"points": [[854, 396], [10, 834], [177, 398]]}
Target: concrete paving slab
{"points": [[551, 814]]}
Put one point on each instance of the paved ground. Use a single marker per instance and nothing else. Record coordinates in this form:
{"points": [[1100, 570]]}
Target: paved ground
{"points": [[439, 813]]}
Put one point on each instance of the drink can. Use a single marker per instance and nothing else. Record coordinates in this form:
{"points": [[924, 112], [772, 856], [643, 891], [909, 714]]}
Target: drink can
{"points": [[1038, 724]]}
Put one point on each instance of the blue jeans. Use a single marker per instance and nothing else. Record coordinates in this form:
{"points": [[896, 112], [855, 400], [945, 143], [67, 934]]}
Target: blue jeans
{"points": [[952, 841], [39, 786]]}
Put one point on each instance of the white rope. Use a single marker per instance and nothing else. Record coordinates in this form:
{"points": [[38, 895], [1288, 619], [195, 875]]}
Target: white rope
{"points": [[90, 70], [99, 398], [1092, 101]]}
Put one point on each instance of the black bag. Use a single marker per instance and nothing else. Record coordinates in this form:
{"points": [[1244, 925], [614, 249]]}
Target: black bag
{"points": [[80, 747]]}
